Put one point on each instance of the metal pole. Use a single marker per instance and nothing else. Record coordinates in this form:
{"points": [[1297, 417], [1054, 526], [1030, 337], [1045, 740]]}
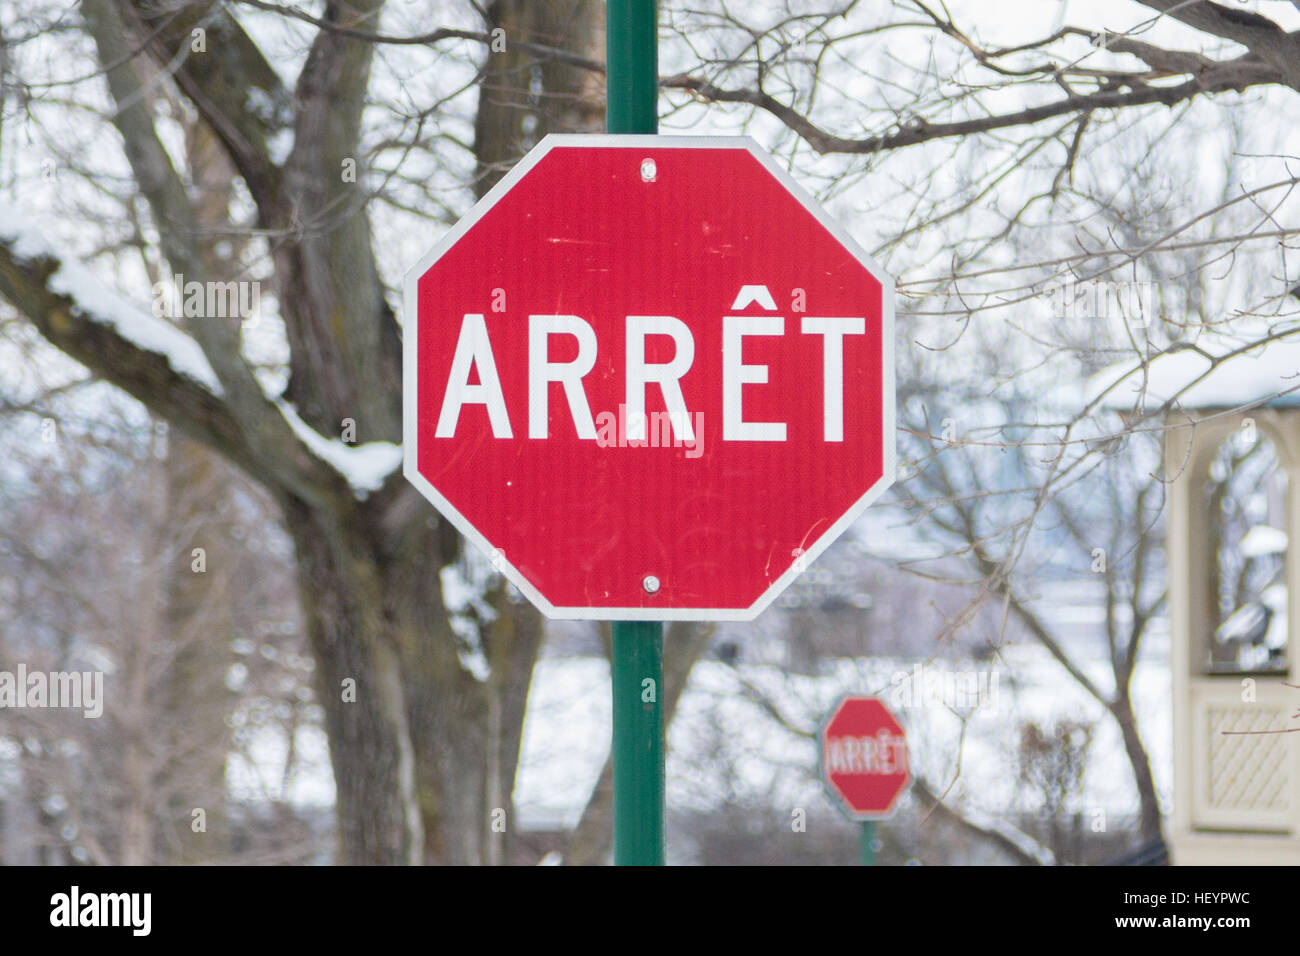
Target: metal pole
{"points": [[637, 654], [868, 842], [631, 66], [637, 670]]}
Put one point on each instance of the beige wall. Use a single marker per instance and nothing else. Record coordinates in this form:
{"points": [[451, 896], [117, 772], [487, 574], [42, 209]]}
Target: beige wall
{"points": [[1236, 798]]}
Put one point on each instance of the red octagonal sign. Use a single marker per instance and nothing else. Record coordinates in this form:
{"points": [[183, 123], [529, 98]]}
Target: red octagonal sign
{"points": [[650, 377], [864, 757]]}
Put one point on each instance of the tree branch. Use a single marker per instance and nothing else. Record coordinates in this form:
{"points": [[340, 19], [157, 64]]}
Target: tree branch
{"points": [[149, 376], [1015, 846], [233, 87], [265, 431], [346, 354], [923, 132], [146, 357], [1219, 77], [1257, 33]]}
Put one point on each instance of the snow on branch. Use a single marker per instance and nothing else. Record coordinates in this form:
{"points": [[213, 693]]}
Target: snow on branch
{"points": [[364, 466], [99, 303]]}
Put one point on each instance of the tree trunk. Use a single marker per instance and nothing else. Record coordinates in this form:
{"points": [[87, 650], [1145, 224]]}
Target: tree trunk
{"points": [[523, 98], [1149, 804], [199, 623], [360, 686]]}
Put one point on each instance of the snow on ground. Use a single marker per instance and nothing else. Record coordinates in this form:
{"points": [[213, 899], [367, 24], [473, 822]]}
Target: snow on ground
{"points": [[256, 774], [723, 746], [566, 739]]}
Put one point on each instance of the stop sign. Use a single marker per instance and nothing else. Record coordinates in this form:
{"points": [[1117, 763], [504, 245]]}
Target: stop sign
{"points": [[650, 377], [864, 757]]}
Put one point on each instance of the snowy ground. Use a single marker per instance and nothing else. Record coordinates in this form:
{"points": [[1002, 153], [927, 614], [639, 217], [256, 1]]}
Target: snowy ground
{"points": [[725, 746], [724, 743]]}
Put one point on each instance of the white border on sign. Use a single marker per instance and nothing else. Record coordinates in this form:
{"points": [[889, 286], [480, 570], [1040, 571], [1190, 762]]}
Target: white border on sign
{"points": [[410, 455]]}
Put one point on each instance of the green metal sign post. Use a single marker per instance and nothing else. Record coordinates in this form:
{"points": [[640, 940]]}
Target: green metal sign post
{"points": [[637, 668], [631, 66], [637, 652]]}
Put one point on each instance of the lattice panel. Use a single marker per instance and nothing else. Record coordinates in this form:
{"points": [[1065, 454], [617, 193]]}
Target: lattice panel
{"points": [[1247, 771]]}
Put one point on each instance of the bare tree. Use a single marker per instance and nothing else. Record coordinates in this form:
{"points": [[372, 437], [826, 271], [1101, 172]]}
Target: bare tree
{"points": [[153, 565]]}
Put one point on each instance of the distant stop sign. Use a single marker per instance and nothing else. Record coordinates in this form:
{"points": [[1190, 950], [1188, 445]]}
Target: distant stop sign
{"points": [[650, 377], [864, 757]]}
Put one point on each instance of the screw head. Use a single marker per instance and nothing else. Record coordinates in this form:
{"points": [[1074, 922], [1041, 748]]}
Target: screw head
{"points": [[651, 584], [648, 170]]}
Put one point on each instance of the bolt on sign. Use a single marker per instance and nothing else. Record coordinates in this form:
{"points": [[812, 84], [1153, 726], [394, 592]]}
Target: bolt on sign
{"points": [[650, 376]]}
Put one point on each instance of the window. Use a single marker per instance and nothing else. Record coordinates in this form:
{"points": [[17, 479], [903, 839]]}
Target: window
{"points": [[1245, 501]]}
